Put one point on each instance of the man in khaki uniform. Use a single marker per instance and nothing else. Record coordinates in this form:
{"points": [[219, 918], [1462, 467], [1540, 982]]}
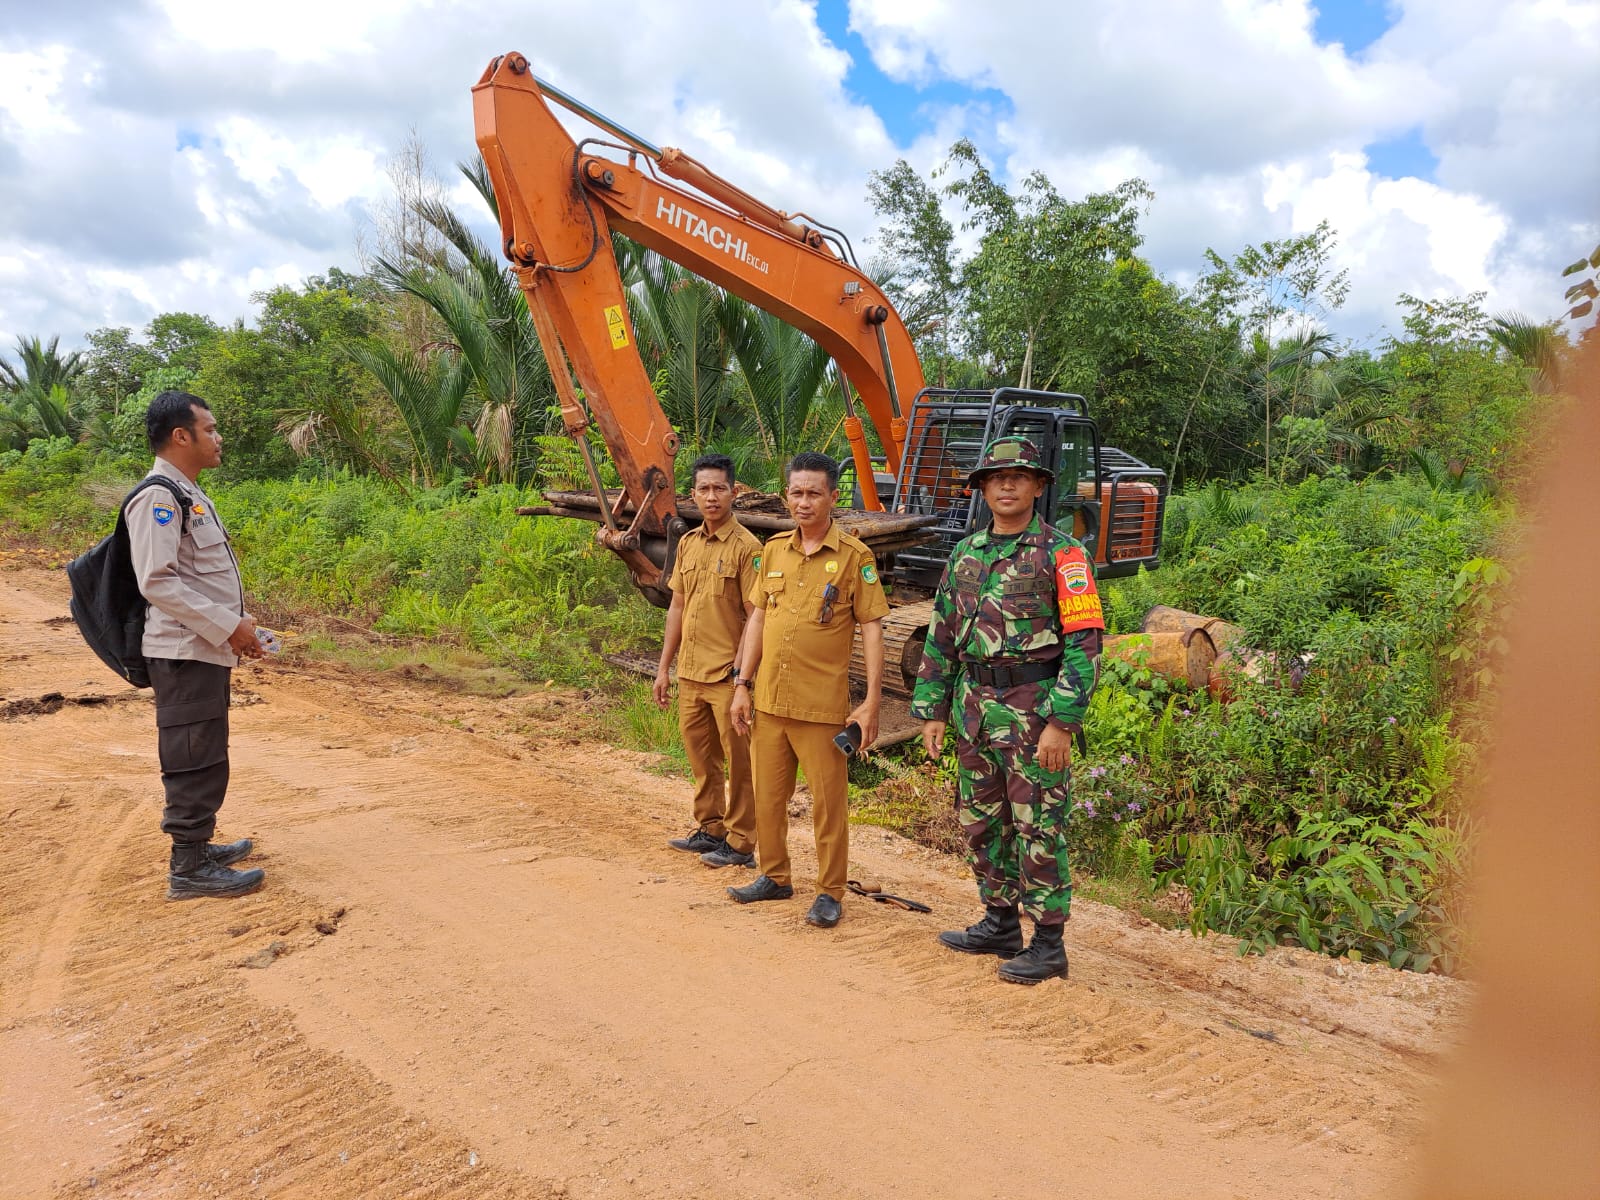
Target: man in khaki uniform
{"points": [[195, 631], [816, 584], [715, 571]]}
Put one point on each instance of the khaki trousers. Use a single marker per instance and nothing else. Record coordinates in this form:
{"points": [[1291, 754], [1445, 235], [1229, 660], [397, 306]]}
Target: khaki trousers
{"points": [[724, 799], [778, 745]]}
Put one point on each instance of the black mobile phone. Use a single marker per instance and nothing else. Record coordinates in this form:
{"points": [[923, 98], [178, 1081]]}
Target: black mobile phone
{"points": [[848, 739]]}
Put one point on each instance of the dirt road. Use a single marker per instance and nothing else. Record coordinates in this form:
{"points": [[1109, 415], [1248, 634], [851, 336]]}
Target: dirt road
{"points": [[477, 971]]}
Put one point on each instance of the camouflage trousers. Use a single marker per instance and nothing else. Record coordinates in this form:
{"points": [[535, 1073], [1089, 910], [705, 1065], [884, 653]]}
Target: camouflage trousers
{"points": [[1013, 812]]}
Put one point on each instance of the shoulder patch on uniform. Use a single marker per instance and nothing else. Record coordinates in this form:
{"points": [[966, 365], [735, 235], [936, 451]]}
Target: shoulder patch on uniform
{"points": [[1074, 571], [757, 561], [868, 573], [1076, 595], [162, 512]]}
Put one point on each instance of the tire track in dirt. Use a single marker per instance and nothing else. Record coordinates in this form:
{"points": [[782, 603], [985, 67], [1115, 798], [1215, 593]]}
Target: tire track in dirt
{"points": [[476, 971], [1217, 1074], [77, 883]]}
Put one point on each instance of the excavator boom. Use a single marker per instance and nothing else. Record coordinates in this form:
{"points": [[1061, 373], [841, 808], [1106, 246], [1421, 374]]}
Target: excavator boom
{"points": [[560, 200]]}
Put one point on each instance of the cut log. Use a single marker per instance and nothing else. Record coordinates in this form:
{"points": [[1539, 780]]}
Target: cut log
{"points": [[1162, 619], [1182, 658]]}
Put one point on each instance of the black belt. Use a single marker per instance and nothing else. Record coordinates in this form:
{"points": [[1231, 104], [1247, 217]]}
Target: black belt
{"points": [[1004, 675]]}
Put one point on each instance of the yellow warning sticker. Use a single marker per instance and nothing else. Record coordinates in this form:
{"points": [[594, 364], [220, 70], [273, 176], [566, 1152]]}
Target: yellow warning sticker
{"points": [[617, 325]]}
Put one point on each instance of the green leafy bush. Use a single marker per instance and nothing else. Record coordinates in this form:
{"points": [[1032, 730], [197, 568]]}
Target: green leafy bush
{"points": [[1348, 886], [1372, 605], [445, 564]]}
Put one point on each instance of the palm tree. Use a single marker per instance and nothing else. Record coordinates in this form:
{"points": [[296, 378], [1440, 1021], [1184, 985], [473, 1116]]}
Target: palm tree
{"points": [[40, 366], [40, 400], [1537, 347], [729, 376], [677, 318], [429, 391], [1276, 372], [493, 383], [39, 383], [1354, 398], [787, 388]]}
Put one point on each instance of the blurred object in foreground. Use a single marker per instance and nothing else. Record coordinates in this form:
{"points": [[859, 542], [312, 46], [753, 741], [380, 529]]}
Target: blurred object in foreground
{"points": [[1520, 1111]]}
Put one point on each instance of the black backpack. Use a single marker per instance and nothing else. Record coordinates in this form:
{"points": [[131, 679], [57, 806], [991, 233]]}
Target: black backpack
{"points": [[106, 602]]}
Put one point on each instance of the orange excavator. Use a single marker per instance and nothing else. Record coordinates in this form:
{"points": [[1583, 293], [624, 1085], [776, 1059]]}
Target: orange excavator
{"points": [[559, 201]]}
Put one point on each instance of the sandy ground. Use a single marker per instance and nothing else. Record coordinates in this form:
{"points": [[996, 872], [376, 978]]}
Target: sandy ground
{"points": [[477, 971]]}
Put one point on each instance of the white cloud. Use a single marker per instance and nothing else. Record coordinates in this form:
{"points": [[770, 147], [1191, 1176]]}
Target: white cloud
{"points": [[177, 154], [30, 87], [1248, 129], [288, 31]]}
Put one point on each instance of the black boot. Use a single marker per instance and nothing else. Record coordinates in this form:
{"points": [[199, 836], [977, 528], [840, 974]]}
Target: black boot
{"points": [[1043, 959], [1000, 932], [193, 873], [223, 853]]}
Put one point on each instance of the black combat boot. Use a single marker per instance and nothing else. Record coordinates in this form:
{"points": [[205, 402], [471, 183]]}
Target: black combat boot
{"points": [[1000, 932], [223, 853], [1043, 959], [193, 873]]}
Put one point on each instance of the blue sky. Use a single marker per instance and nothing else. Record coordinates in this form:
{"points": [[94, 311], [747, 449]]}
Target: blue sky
{"points": [[905, 107], [1355, 24]]}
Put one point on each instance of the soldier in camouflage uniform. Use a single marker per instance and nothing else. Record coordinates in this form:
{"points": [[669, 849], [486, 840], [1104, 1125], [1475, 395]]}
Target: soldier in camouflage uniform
{"points": [[1012, 654]]}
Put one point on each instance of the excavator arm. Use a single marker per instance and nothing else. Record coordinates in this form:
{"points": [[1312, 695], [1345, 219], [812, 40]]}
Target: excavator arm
{"points": [[560, 200]]}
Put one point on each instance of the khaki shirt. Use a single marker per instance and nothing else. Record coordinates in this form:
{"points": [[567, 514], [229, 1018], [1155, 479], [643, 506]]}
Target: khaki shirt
{"points": [[805, 664], [714, 573], [189, 576]]}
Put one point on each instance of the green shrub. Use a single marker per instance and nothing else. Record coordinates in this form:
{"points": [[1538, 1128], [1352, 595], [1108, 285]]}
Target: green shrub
{"points": [[448, 564], [1348, 886], [1375, 605]]}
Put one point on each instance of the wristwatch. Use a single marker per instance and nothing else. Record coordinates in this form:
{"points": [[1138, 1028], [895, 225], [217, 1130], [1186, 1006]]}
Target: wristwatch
{"points": [[749, 683]]}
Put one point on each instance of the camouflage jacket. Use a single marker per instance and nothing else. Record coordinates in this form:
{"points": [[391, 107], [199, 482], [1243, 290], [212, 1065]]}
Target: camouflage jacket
{"points": [[1031, 599]]}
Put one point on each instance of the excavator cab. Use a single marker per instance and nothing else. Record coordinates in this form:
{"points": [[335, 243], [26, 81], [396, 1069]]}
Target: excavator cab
{"points": [[1106, 498]]}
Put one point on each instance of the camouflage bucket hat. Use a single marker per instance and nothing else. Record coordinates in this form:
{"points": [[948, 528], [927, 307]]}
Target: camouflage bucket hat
{"points": [[1010, 453]]}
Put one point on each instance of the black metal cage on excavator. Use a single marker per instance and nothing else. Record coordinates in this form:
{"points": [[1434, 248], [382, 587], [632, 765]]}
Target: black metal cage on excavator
{"points": [[1106, 498]]}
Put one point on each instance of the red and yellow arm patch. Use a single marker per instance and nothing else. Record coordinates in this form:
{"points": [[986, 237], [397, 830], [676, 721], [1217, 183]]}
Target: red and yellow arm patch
{"points": [[1076, 595]]}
